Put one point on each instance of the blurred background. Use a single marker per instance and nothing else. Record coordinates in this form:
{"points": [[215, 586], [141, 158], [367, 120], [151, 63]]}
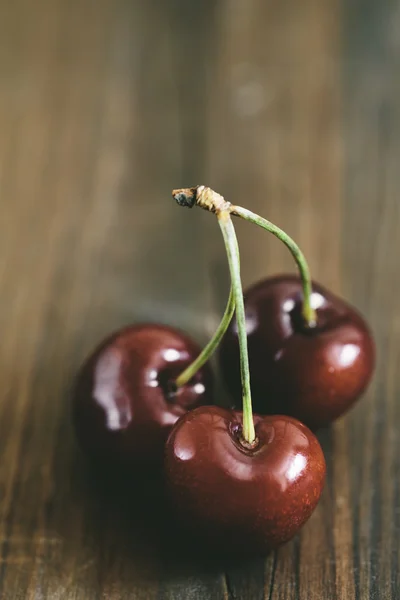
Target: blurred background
{"points": [[291, 109]]}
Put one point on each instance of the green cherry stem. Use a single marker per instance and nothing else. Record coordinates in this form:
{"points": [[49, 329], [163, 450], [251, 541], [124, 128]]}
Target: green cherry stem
{"points": [[207, 199], [232, 251], [308, 313], [212, 345]]}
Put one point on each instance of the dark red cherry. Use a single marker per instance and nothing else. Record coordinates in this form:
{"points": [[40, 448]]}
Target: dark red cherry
{"points": [[243, 500], [314, 375], [124, 404]]}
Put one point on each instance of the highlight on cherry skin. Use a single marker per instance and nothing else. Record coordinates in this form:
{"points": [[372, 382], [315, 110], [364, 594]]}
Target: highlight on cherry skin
{"points": [[242, 499], [124, 399], [313, 374]]}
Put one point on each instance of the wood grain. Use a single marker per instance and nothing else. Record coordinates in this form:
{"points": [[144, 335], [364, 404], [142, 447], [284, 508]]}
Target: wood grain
{"points": [[290, 108]]}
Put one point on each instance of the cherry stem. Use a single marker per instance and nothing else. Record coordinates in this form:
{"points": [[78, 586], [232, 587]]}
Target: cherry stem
{"points": [[308, 313], [232, 251], [212, 345]]}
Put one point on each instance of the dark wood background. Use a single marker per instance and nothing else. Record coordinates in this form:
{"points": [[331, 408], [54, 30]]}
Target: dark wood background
{"points": [[291, 108]]}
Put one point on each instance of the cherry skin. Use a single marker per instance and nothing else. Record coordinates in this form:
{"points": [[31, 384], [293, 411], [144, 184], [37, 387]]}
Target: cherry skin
{"points": [[124, 404], [314, 375], [243, 500]]}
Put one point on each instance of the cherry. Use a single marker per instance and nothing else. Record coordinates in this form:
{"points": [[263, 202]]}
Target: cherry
{"points": [[314, 374], [125, 401], [244, 498], [246, 483]]}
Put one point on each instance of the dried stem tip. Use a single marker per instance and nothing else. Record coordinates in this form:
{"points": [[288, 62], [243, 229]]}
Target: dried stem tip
{"points": [[185, 196], [203, 196]]}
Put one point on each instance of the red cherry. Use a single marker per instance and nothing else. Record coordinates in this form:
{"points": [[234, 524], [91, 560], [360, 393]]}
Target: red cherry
{"points": [[314, 375], [242, 499], [124, 404]]}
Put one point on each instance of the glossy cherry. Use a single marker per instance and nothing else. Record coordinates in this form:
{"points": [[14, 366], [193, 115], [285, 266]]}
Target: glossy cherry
{"points": [[124, 403], [243, 500], [314, 374]]}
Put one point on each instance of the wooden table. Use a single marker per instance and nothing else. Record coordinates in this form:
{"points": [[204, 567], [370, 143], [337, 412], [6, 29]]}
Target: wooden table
{"points": [[291, 108]]}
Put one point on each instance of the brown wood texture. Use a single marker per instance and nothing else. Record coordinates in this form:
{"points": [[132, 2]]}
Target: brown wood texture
{"points": [[291, 108]]}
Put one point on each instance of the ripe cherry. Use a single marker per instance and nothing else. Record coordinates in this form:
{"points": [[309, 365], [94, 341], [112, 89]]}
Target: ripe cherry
{"points": [[245, 482], [124, 400], [314, 374], [243, 498]]}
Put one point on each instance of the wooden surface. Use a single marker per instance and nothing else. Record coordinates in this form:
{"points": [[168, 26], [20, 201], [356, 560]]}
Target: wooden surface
{"points": [[291, 108]]}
